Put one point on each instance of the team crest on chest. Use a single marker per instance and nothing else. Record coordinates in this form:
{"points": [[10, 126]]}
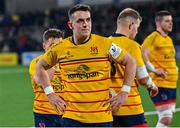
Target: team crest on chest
{"points": [[94, 50]]}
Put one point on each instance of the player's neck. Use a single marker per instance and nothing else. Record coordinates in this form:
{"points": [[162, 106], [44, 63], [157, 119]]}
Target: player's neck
{"points": [[163, 33], [122, 31], [80, 40]]}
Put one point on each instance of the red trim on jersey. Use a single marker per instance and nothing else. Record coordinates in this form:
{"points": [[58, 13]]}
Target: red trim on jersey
{"points": [[39, 91], [38, 109], [88, 91], [86, 80], [133, 95], [165, 102], [88, 111], [131, 105], [86, 101], [41, 100], [84, 62], [141, 125], [112, 77]]}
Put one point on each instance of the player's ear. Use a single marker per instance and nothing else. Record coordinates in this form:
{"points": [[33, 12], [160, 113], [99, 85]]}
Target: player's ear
{"points": [[70, 24], [44, 46], [131, 25]]}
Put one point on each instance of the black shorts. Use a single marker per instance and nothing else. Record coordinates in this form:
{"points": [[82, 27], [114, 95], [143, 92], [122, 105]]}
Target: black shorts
{"points": [[47, 120], [165, 96]]}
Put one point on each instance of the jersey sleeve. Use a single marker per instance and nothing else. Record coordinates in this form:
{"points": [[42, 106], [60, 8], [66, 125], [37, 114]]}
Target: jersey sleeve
{"points": [[117, 52], [149, 41], [32, 67], [137, 54], [51, 56]]}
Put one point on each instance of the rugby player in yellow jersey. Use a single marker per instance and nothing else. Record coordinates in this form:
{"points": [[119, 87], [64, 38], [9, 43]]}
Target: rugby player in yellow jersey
{"points": [[131, 114], [159, 55], [44, 113], [84, 60]]}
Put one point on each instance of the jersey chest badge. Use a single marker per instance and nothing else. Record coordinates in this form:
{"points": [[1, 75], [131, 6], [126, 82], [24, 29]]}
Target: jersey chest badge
{"points": [[94, 50]]}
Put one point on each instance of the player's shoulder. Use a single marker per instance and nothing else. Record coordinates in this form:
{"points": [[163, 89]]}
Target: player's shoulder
{"points": [[153, 34], [99, 37], [32, 65], [169, 38], [35, 60], [56, 44], [129, 42]]}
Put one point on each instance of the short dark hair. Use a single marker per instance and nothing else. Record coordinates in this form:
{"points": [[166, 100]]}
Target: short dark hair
{"points": [[78, 7], [159, 15], [52, 33]]}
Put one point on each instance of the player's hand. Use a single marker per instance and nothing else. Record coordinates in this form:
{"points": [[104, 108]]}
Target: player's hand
{"points": [[57, 102], [117, 101], [161, 72], [153, 90]]}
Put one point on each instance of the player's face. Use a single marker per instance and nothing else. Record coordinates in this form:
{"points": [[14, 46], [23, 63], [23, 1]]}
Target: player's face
{"points": [[134, 29], [50, 42], [167, 23], [81, 23]]}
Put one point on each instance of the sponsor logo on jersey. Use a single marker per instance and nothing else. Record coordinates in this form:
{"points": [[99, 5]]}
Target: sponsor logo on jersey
{"points": [[83, 73], [171, 55]]}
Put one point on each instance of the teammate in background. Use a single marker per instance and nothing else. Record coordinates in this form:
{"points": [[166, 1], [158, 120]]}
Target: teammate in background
{"points": [[84, 60], [159, 56], [131, 114], [44, 113]]}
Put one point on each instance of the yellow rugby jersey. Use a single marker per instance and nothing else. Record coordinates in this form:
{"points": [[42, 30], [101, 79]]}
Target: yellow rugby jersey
{"points": [[162, 55], [133, 105], [41, 102], [86, 75]]}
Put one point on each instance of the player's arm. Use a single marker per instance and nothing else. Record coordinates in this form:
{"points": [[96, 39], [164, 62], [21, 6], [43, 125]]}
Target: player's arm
{"points": [[142, 75], [130, 70], [43, 78], [150, 67], [120, 56], [50, 73]]}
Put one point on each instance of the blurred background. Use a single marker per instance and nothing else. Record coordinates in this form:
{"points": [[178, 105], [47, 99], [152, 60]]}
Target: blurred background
{"points": [[22, 23]]}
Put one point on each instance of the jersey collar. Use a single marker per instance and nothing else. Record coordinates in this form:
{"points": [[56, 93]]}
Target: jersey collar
{"points": [[117, 35]]}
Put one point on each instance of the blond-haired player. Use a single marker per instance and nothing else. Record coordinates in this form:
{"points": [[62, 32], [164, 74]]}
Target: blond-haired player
{"points": [[131, 114]]}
